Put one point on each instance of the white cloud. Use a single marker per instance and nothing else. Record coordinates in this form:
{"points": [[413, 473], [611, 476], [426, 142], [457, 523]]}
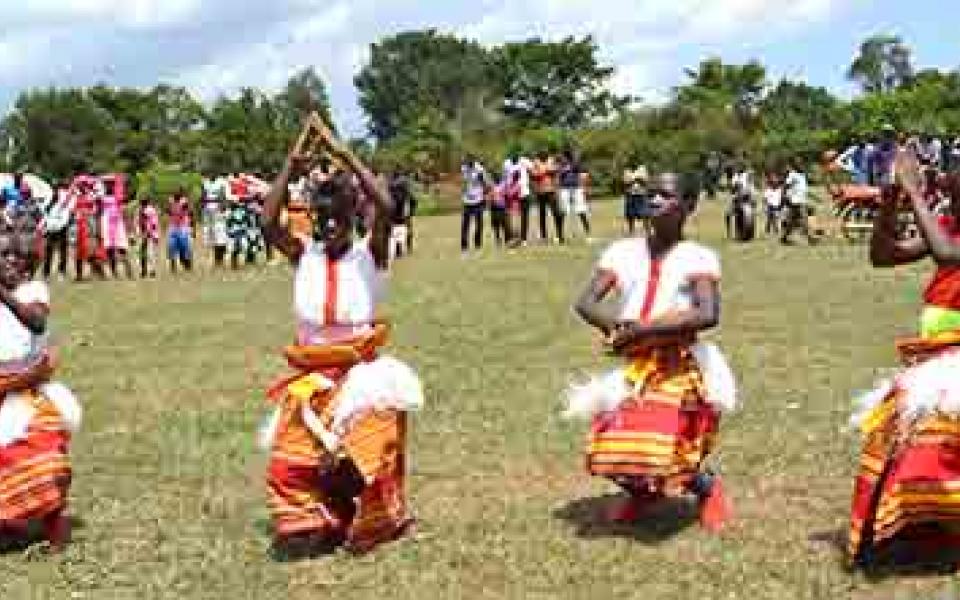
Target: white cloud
{"points": [[711, 21], [125, 13], [316, 40], [217, 46], [332, 21]]}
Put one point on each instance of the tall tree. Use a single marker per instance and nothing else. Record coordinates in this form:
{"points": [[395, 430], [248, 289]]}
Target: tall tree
{"points": [[304, 93], [554, 83], [148, 126], [794, 106], [415, 70], [60, 133], [713, 82], [883, 64]]}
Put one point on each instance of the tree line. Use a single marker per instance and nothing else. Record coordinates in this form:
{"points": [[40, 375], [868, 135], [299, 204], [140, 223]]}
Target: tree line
{"points": [[430, 98]]}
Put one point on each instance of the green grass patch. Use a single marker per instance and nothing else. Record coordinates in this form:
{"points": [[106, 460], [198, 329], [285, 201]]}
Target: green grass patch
{"points": [[169, 484]]}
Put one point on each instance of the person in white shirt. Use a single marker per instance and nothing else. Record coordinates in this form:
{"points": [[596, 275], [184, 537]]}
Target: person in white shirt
{"points": [[475, 185], [214, 196], [55, 226], [798, 210], [773, 201], [519, 164], [742, 185], [934, 152]]}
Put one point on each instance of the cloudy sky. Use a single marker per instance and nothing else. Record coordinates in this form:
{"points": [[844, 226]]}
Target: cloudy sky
{"points": [[216, 46]]}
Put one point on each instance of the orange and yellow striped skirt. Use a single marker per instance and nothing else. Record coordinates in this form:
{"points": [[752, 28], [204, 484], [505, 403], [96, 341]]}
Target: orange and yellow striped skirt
{"points": [[35, 470], [357, 498], [664, 432], [908, 483]]}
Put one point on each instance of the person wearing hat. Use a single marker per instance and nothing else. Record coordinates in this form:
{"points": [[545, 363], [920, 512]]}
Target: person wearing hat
{"points": [[655, 421]]}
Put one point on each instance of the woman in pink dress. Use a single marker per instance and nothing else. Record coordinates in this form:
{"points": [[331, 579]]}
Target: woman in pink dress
{"points": [[113, 230]]}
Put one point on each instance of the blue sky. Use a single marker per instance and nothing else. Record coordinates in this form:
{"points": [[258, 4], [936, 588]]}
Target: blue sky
{"points": [[216, 46]]}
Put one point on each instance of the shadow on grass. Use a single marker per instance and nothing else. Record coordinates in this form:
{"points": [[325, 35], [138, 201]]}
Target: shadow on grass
{"points": [[298, 548], [909, 559], [896, 560], [661, 522], [17, 543], [303, 550]]}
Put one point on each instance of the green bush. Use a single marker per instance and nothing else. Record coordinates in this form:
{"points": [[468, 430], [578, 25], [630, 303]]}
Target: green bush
{"points": [[162, 181]]}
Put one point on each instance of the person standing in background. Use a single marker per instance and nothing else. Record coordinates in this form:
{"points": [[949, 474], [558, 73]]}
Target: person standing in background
{"points": [[148, 229], [220, 236], [798, 209], [240, 225], [86, 246], [499, 222], [55, 226], [474, 194], [113, 228], [544, 174], [505, 200], [573, 195], [181, 232], [404, 208], [773, 201], [237, 187], [884, 155], [214, 195], [522, 166], [635, 196]]}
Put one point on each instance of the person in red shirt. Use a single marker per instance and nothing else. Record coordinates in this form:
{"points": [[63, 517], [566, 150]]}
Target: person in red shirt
{"points": [[239, 187], [87, 248], [180, 234]]}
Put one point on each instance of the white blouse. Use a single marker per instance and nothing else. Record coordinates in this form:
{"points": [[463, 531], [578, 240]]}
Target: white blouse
{"points": [[18, 345], [651, 289], [335, 300]]}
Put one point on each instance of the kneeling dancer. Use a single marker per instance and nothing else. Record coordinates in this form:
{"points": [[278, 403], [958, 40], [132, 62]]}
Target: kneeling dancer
{"points": [[37, 416], [655, 421], [908, 485], [337, 436]]}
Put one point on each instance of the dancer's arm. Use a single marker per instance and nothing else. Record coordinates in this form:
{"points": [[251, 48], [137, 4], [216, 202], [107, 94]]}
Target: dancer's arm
{"points": [[33, 315], [704, 314], [589, 305], [885, 249], [279, 236], [372, 189]]}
